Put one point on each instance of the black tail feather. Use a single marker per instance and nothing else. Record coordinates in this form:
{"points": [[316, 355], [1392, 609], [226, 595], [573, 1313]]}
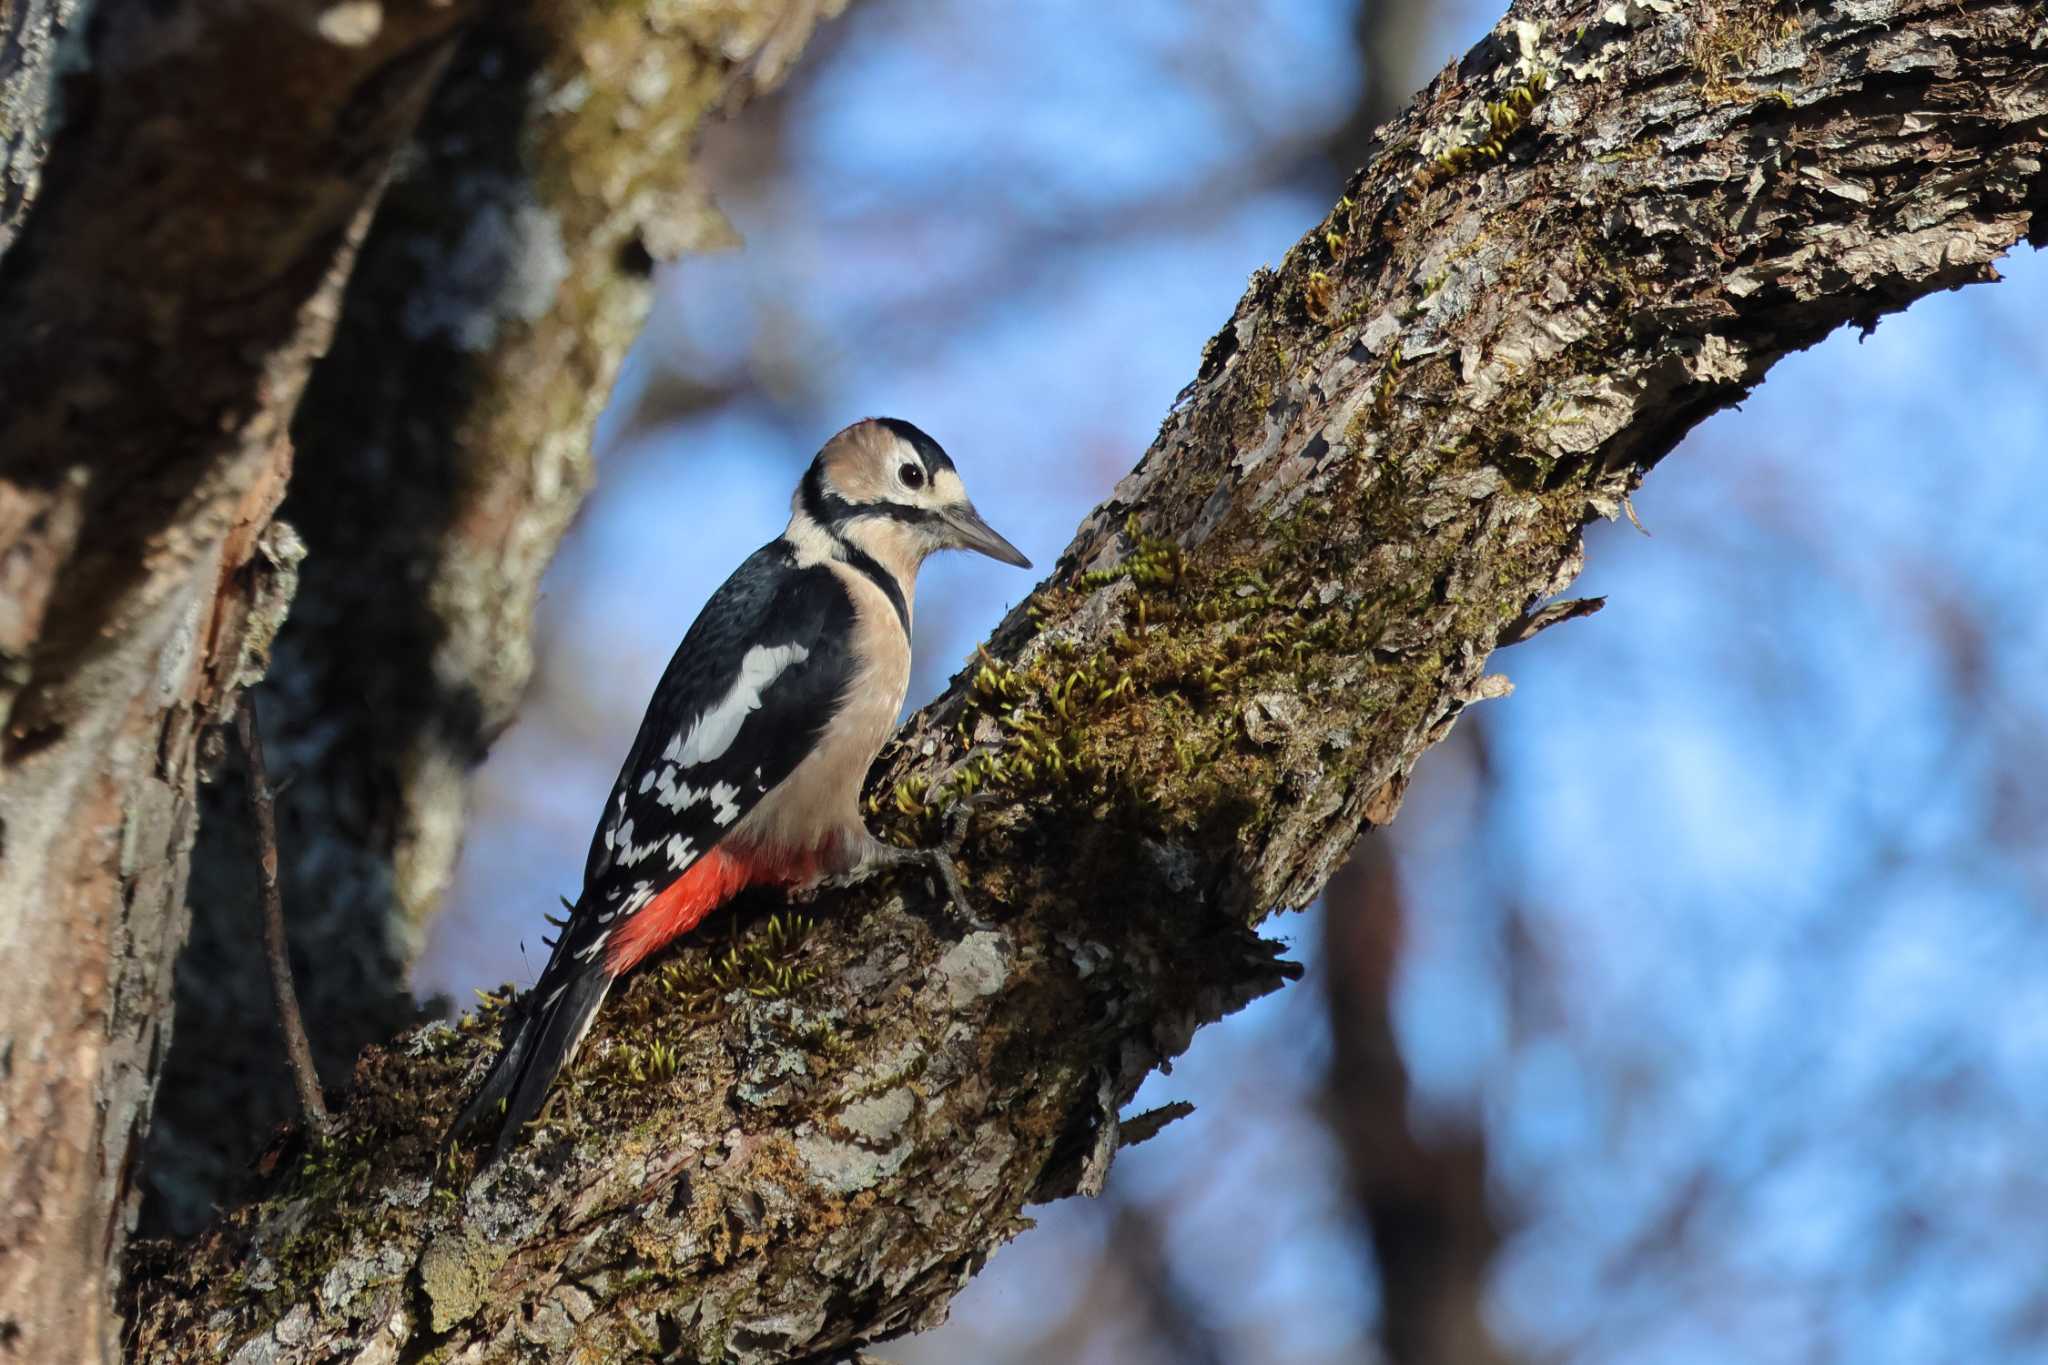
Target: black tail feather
{"points": [[498, 1083], [558, 1013]]}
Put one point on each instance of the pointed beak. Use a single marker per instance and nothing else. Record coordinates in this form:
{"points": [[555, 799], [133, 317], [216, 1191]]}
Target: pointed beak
{"points": [[970, 532]]}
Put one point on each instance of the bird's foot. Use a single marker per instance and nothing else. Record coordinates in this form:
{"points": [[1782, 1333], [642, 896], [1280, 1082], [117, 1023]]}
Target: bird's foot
{"points": [[939, 860]]}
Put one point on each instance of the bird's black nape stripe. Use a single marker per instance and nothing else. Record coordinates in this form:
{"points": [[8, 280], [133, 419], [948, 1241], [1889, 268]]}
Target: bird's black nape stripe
{"points": [[822, 505], [860, 559], [929, 451]]}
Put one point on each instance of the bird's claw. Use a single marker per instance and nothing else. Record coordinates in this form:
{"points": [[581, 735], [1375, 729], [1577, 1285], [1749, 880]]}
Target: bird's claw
{"points": [[957, 816], [939, 860]]}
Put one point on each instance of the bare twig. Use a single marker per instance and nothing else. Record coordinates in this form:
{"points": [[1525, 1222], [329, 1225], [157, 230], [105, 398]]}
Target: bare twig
{"points": [[263, 812], [1542, 619], [1144, 1127]]}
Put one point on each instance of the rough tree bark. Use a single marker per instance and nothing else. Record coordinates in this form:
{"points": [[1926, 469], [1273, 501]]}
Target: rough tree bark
{"points": [[30, 31], [182, 195], [1604, 224], [187, 229]]}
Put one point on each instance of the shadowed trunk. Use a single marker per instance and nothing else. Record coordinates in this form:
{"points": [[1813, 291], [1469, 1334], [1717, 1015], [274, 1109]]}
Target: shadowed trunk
{"points": [[178, 247]]}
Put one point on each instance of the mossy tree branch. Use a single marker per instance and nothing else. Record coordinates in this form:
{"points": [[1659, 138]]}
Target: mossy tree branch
{"points": [[1606, 223]]}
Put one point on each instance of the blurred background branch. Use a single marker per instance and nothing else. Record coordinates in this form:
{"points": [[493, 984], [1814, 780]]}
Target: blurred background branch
{"points": [[1424, 1194]]}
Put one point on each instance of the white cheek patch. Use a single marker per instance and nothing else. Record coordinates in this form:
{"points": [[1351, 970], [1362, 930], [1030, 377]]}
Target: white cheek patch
{"points": [[947, 490], [712, 733], [813, 542]]}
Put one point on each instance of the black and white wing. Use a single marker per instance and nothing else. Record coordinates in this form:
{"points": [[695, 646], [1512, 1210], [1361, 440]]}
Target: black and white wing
{"points": [[743, 701]]}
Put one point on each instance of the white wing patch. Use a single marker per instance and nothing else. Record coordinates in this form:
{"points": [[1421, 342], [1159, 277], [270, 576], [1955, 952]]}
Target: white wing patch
{"points": [[706, 739], [680, 852], [627, 904], [629, 854], [678, 796], [617, 904], [713, 732]]}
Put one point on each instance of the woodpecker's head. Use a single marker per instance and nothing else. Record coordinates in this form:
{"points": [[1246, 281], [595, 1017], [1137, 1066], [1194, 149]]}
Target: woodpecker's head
{"points": [[888, 489]]}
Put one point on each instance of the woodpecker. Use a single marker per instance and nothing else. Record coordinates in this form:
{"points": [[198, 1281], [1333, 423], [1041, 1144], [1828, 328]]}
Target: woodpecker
{"points": [[749, 762]]}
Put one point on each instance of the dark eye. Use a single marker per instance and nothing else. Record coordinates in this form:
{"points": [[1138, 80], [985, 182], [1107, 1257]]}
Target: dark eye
{"points": [[912, 476]]}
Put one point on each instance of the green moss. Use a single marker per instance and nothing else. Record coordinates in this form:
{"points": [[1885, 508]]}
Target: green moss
{"points": [[1151, 727], [1640, 150], [332, 1194], [762, 958], [1390, 376], [454, 1273], [1733, 45], [1503, 118], [1154, 562]]}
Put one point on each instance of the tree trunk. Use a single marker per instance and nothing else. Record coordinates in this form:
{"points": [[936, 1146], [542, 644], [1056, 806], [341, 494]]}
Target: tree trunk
{"points": [[161, 301], [179, 218], [1604, 224]]}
